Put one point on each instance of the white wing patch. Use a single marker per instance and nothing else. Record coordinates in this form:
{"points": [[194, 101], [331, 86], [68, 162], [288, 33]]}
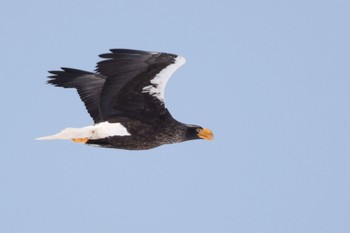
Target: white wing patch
{"points": [[106, 129], [161, 79], [98, 131]]}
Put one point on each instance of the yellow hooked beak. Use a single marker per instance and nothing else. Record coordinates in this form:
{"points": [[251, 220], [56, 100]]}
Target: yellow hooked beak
{"points": [[206, 134]]}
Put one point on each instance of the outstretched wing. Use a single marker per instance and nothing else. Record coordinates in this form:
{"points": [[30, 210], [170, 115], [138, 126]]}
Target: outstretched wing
{"points": [[129, 83], [135, 82], [88, 85]]}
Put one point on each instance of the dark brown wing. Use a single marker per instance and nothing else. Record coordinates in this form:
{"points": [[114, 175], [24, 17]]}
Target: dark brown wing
{"points": [[129, 83], [135, 83], [88, 85]]}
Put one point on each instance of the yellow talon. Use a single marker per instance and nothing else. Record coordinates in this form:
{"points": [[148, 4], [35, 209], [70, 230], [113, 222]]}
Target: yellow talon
{"points": [[80, 140]]}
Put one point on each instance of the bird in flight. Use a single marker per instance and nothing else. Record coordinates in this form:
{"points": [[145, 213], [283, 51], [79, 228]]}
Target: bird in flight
{"points": [[125, 98]]}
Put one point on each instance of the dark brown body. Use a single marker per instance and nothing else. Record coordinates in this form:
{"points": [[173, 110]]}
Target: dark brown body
{"points": [[145, 135]]}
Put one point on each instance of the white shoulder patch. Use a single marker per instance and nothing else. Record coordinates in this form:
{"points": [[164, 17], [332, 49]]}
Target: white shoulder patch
{"points": [[161, 79], [106, 129]]}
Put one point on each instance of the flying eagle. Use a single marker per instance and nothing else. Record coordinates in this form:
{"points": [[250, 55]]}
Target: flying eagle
{"points": [[125, 98]]}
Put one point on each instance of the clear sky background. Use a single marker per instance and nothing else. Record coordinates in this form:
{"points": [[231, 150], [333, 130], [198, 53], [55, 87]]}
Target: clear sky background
{"points": [[270, 78]]}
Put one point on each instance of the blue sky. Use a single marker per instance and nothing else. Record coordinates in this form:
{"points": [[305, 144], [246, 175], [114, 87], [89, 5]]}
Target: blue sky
{"points": [[270, 78]]}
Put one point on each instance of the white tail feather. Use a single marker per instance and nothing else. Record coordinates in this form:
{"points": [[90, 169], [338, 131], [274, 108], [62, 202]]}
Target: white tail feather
{"points": [[101, 130], [70, 133]]}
